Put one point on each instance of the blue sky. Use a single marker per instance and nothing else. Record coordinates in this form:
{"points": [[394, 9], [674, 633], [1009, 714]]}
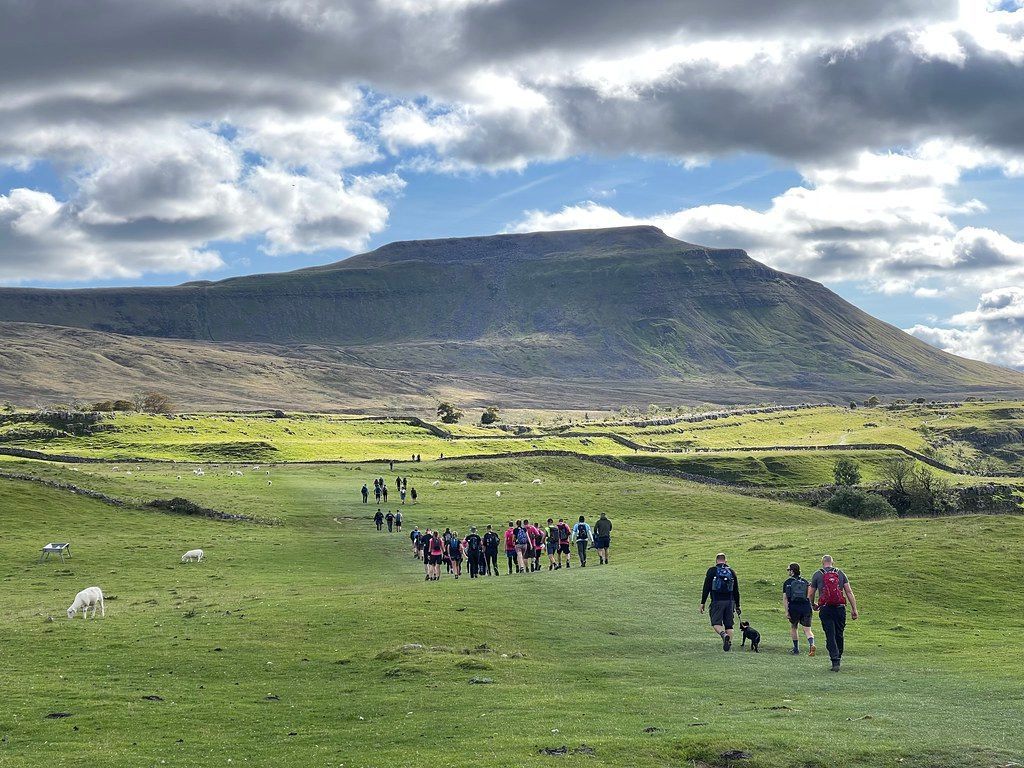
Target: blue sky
{"points": [[875, 147]]}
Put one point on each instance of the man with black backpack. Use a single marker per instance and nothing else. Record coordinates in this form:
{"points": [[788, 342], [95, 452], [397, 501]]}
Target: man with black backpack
{"points": [[835, 591], [797, 608], [474, 553], [721, 585], [491, 542]]}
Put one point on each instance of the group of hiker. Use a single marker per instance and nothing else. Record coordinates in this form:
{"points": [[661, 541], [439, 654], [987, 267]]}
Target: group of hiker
{"points": [[525, 543], [380, 490], [393, 520], [828, 592]]}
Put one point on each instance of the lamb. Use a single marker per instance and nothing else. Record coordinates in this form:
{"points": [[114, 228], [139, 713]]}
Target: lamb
{"points": [[90, 597], [192, 554]]}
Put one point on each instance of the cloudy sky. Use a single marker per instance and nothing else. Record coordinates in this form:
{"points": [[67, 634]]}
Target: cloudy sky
{"points": [[876, 146]]}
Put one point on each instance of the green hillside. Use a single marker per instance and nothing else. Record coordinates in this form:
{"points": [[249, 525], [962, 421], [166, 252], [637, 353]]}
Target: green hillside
{"points": [[564, 310], [317, 642]]}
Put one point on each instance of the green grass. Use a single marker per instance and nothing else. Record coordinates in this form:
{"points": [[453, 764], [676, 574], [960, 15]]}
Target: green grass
{"points": [[312, 612]]}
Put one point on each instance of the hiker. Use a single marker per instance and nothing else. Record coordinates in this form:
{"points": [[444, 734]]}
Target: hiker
{"points": [[366, 493], [473, 545], [384, 491], [391, 521], [510, 546], [379, 519], [833, 591], [376, 492], [721, 585], [581, 532], [491, 542], [435, 552], [412, 495], [455, 553], [602, 538], [522, 539], [531, 544], [551, 543], [414, 537], [401, 493], [564, 535], [398, 521], [539, 538], [398, 484], [797, 608], [391, 465]]}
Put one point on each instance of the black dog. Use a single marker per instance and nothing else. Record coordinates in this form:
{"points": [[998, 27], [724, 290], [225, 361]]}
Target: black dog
{"points": [[751, 634]]}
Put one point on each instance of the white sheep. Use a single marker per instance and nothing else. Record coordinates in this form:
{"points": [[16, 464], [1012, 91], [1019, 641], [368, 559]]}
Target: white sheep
{"points": [[498, 494], [90, 597], [464, 482], [192, 554], [537, 481], [436, 483], [256, 468]]}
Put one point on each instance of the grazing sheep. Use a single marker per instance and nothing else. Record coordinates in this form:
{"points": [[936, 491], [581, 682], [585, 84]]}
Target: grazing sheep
{"points": [[498, 494], [537, 481], [464, 482], [90, 597], [192, 555], [256, 468], [436, 483]]}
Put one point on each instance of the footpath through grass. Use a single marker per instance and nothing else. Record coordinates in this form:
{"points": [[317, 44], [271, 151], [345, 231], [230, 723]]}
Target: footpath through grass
{"points": [[286, 646]]}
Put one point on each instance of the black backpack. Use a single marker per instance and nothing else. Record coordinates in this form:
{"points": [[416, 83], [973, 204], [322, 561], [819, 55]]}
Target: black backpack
{"points": [[797, 589], [473, 542]]}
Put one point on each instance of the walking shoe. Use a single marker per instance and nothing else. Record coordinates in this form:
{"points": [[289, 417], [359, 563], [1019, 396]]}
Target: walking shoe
{"points": [[835, 666], [796, 652], [726, 643], [810, 651]]}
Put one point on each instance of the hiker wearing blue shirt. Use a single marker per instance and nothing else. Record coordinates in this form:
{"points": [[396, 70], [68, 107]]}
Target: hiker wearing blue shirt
{"points": [[721, 586], [582, 534]]}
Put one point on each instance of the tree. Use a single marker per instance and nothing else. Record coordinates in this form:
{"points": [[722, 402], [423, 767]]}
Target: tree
{"points": [[157, 402], [927, 493], [872, 401], [896, 473], [106, 406], [123, 405], [846, 472], [448, 413], [490, 415]]}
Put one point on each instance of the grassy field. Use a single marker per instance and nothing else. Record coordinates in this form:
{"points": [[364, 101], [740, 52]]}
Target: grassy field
{"points": [[285, 647]]}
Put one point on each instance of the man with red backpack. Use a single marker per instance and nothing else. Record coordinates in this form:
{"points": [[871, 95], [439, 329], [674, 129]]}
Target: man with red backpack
{"points": [[834, 591], [564, 535]]}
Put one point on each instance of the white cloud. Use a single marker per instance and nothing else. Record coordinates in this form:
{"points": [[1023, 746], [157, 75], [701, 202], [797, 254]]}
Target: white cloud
{"points": [[993, 331]]}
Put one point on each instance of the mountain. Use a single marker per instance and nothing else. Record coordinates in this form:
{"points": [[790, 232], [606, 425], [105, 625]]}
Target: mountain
{"points": [[555, 316]]}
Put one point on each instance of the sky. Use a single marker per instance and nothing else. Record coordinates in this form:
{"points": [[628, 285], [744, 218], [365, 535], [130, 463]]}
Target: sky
{"points": [[875, 146]]}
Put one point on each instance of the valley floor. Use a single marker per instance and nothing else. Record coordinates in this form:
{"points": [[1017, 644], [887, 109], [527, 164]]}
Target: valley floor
{"points": [[293, 644]]}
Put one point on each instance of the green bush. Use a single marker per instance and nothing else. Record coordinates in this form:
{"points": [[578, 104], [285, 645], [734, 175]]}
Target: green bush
{"points": [[846, 472], [862, 505]]}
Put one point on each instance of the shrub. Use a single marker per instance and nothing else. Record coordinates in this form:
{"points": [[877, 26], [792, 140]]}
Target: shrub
{"points": [[490, 415], [872, 401], [106, 406], [862, 505], [123, 405], [846, 472]]}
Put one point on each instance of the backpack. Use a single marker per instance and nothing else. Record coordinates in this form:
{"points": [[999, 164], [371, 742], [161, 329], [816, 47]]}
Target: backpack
{"points": [[521, 537], [563, 532], [538, 539], [797, 590], [831, 591], [473, 542], [454, 548], [723, 581]]}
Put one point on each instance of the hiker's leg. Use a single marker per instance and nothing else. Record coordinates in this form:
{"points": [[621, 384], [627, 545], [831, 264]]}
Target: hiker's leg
{"points": [[828, 624]]}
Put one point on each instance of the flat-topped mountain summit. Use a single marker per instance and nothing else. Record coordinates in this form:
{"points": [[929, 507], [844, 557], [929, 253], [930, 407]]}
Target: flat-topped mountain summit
{"points": [[604, 306]]}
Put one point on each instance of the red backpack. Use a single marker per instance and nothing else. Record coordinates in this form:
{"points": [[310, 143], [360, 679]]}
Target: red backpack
{"points": [[831, 589]]}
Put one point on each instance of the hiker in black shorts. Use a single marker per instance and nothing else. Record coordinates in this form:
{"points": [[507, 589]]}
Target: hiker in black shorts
{"points": [[551, 543], [564, 535], [721, 585], [602, 538], [833, 590], [797, 608], [491, 543]]}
